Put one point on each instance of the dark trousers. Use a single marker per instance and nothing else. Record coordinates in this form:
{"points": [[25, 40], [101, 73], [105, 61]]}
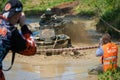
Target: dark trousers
{"points": [[96, 69], [2, 75]]}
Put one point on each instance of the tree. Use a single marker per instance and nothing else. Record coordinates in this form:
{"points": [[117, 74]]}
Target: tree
{"points": [[115, 4]]}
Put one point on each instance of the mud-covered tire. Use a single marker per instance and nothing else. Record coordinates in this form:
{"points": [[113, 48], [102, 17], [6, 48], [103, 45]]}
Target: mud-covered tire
{"points": [[76, 52], [49, 54]]}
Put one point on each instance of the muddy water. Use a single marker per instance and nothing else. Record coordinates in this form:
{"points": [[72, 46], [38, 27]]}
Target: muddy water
{"points": [[69, 70]]}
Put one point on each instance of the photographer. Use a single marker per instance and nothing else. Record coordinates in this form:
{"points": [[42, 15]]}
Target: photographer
{"points": [[108, 51], [10, 38]]}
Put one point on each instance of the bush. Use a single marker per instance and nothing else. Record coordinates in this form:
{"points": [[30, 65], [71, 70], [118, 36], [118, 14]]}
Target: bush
{"points": [[2, 3], [110, 75], [113, 18]]}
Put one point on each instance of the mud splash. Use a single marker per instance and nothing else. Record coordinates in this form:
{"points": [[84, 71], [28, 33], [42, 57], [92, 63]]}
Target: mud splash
{"points": [[81, 31], [77, 33]]}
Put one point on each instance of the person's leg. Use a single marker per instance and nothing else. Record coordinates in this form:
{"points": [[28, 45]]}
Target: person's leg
{"points": [[96, 69], [2, 75], [99, 68]]}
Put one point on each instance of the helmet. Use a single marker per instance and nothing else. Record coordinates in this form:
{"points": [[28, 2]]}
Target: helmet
{"points": [[12, 7], [48, 11]]}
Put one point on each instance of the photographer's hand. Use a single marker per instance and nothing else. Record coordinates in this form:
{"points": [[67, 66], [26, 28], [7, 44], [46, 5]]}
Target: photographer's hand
{"points": [[22, 19]]}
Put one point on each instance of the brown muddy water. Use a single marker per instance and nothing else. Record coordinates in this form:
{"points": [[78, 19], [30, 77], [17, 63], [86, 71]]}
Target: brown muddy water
{"points": [[70, 69]]}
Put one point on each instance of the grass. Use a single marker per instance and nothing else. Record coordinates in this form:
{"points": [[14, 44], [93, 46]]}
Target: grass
{"points": [[110, 75], [42, 4], [84, 7], [36, 6]]}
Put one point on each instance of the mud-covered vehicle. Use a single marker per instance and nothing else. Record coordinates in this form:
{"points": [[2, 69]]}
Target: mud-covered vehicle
{"points": [[50, 36]]}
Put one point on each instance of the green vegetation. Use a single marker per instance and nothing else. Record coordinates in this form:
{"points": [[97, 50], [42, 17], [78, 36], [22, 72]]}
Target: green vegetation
{"points": [[85, 6], [42, 4], [36, 6], [110, 75], [2, 3], [112, 16], [88, 7], [109, 10]]}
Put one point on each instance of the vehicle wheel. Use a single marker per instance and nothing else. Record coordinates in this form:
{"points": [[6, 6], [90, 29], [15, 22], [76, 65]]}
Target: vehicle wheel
{"points": [[48, 54], [76, 52]]}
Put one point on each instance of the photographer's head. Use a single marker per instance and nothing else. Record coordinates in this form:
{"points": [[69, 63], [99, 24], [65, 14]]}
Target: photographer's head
{"points": [[12, 11], [106, 38]]}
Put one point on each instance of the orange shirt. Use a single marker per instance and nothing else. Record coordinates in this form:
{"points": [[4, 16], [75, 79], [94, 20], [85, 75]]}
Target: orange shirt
{"points": [[110, 56]]}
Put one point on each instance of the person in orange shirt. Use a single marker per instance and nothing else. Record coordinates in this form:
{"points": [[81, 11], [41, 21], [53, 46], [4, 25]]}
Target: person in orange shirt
{"points": [[108, 51]]}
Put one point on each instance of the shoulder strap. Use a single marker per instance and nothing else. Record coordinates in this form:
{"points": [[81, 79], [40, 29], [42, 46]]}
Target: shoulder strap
{"points": [[12, 61]]}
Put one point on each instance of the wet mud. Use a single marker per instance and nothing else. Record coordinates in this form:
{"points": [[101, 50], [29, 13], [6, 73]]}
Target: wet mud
{"points": [[50, 68]]}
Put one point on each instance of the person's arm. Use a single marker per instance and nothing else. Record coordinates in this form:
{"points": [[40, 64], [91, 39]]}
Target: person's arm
{"points": [[99, 51], [22, 23], [22, 20], [30, 43]]}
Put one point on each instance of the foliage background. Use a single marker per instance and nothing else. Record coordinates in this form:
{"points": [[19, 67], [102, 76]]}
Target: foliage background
{"points": [[109, 10]]}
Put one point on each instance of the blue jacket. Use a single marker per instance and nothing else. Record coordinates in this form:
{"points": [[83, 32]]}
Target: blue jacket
{"points": [[99, 51], [10, 39], [5, 36]]}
